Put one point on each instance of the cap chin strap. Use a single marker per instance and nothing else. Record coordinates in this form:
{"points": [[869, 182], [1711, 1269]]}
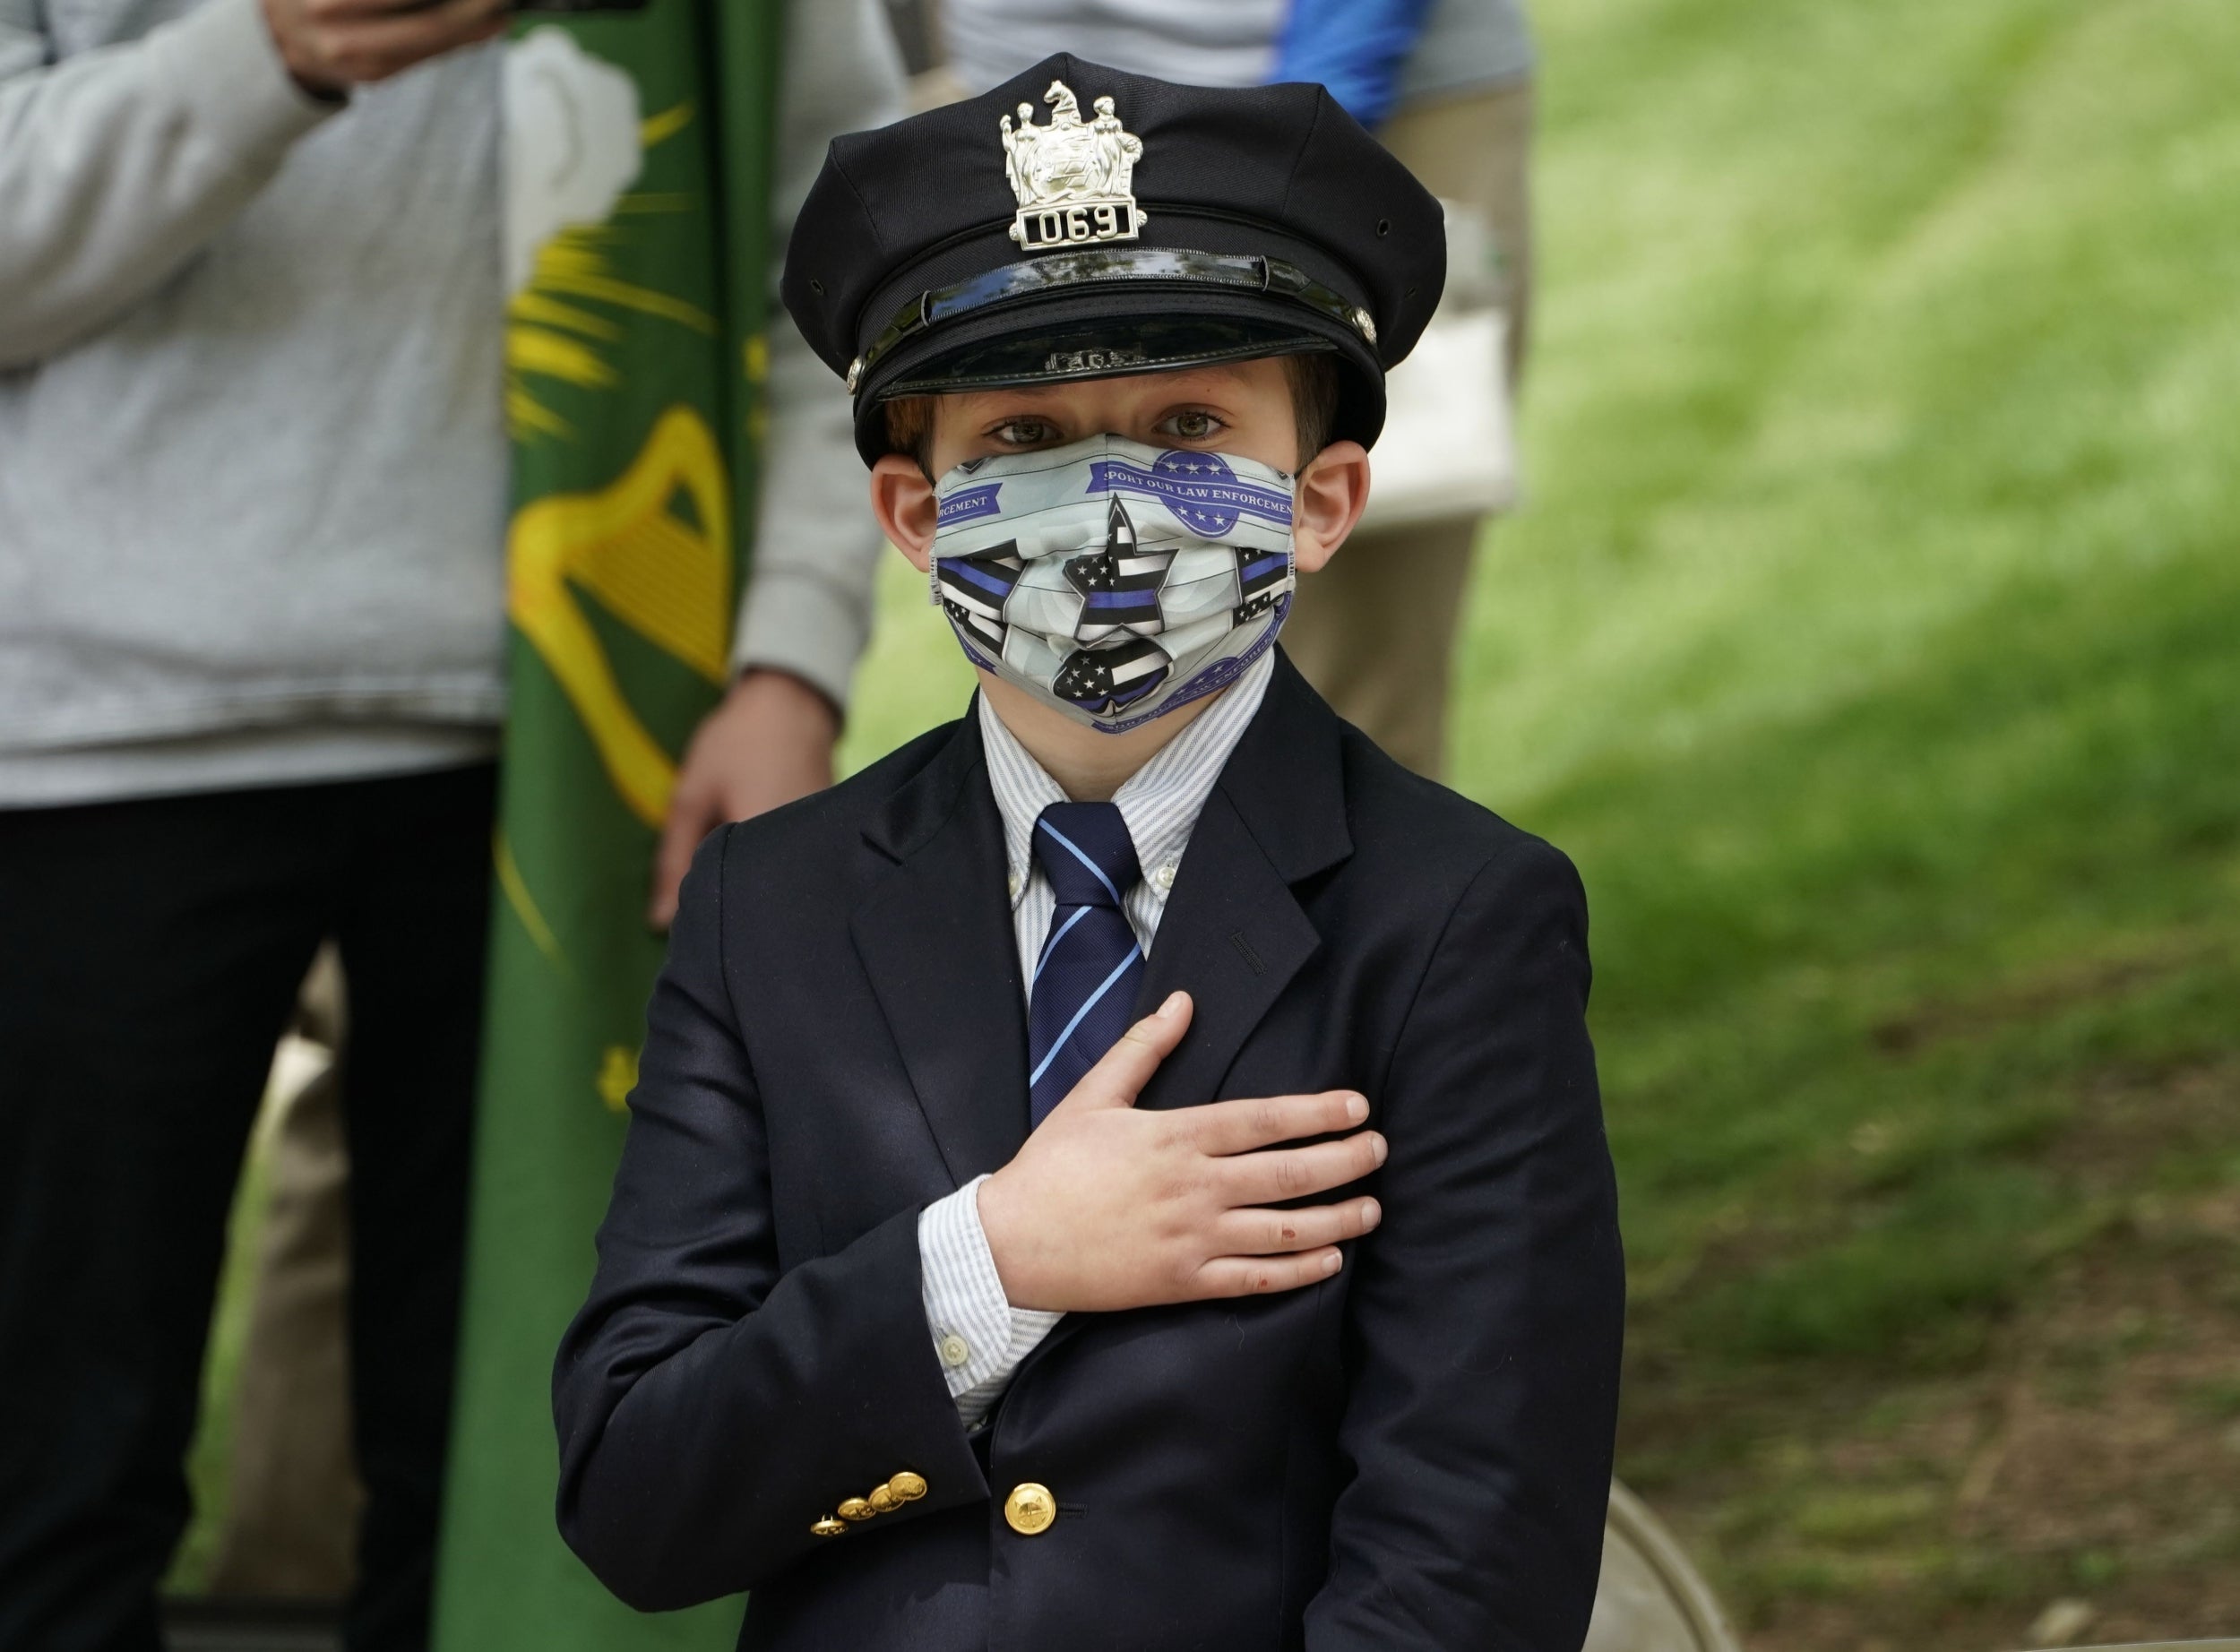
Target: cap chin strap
{"points": [[1057, 273]]}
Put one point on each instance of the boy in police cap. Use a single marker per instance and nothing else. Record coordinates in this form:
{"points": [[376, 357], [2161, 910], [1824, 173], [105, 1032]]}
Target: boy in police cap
{"points": [[1124, 1171]]}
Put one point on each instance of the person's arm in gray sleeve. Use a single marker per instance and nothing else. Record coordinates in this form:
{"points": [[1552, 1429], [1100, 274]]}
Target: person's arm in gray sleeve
{"points": [[805, 613], [807, 607], [117, 165]]}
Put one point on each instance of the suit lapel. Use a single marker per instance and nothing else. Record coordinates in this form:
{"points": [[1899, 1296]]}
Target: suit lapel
{"points": [[933, 925], [1232, 937], [1234, 934], [934, 930]]}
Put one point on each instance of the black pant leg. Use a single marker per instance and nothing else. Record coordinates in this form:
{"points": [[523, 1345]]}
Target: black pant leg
{"points": [[413, 930], [149, 954]]}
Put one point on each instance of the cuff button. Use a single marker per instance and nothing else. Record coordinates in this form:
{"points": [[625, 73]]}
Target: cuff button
{"points": [[883, 1500], [828, 1528], [907, 1486], [856, 1509]]}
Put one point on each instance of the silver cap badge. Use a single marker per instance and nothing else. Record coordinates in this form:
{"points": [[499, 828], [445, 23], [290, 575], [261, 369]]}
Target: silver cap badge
{"points": [[1073, 177]]}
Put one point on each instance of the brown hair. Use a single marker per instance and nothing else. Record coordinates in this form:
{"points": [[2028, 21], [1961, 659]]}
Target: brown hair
{"points": [[1311, 375]]}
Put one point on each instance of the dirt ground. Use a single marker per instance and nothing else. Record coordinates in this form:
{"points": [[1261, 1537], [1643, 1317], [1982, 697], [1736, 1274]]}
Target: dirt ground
{"points": [[2088, 1454]]}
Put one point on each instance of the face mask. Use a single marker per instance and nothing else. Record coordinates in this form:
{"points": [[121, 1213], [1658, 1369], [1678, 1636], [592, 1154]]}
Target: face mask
{"points": [[1114, 580]]}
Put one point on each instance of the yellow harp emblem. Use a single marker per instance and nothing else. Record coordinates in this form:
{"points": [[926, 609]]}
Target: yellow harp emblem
{"points": [[666, 575]]}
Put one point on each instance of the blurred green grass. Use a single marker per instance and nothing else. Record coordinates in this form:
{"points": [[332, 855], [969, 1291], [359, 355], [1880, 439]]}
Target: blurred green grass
{"points": [[1872, 640], [210, 1458]]}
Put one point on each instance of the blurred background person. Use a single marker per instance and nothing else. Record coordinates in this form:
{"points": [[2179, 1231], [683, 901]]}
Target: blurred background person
{"points": [[252, 496], [1447, 86]]}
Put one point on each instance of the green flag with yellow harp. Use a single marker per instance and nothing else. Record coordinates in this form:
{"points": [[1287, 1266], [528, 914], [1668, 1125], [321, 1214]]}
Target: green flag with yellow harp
{"points": [[639, 172]]}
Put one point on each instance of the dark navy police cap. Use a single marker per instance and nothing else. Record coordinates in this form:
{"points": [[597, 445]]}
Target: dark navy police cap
{"points": [[1079, 222]]}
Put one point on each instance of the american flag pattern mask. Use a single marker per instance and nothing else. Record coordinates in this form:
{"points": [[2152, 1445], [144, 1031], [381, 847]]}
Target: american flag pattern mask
{"points": [[1111, 580]]}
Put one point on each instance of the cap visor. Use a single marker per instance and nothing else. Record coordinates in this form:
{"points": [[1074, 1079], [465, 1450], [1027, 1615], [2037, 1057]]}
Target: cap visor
{"points": [[1107, 333], [1103, 347]]}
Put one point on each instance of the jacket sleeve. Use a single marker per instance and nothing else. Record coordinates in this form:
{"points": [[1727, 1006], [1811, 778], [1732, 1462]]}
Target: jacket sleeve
{"points": [[117, 165], [1484, 1314], [711, 1409]]}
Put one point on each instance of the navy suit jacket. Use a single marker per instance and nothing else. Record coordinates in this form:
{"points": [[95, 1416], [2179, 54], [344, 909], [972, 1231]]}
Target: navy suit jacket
{"points": [[1413, 1453]]}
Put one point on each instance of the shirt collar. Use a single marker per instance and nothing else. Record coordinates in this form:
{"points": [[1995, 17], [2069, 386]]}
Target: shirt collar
{"points": [[1160, 802]]}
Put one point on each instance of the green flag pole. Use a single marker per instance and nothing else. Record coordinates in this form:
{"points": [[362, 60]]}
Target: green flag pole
{"points": [[634, 361]]}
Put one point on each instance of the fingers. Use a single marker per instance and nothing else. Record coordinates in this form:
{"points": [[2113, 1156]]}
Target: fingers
{"points": [[769, 742], [1278, 1173], [692, 814], [1260, 1276], [1279, 1233], [384, 45], [362, 40], [1128, 1066], [349, 11], [1225, 1127]]}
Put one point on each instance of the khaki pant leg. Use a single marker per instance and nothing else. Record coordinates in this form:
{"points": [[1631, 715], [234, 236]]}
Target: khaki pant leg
{"points": [[291, 1526], [1374, 630]]}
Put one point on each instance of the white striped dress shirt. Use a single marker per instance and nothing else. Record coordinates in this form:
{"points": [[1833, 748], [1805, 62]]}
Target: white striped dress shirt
{"points": [[978, 1336]]}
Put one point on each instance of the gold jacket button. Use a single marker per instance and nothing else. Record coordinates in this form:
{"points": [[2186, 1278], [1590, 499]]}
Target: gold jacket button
{"points": [[856, 1509], [910, 1487], [828, 1528], [884, 1500], [1030, 1509]]}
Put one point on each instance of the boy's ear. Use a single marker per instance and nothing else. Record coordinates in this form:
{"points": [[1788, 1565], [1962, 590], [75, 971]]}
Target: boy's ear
{"points": [[1327, 501], [902, 499]]}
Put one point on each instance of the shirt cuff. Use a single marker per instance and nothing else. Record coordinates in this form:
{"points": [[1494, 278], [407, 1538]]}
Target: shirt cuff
{"points": [[978, 1336]]}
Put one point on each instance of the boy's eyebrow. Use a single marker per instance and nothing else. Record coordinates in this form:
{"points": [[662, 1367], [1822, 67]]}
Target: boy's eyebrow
{"points": [[1212, 372]]}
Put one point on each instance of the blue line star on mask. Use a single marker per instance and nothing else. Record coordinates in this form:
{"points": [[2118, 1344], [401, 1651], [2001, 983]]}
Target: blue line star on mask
{"points": [[1120, 585]]}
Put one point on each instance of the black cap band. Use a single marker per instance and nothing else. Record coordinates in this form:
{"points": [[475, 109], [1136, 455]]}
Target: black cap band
{"points": [[1134, 266]]}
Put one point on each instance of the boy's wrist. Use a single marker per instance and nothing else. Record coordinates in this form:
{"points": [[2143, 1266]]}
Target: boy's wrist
{"points": [[1009, 1230], [990, 1201]]}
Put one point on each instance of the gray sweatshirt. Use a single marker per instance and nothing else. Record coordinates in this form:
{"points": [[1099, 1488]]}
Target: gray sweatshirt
{"points": [[252, 461]]}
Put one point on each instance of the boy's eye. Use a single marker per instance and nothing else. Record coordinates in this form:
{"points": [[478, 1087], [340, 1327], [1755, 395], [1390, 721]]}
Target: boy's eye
{"points": [[1192, 424], [1024, 431]]}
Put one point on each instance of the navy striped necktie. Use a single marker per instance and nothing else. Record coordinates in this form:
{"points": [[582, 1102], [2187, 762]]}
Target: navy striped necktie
{"points": [[1086, 979]]}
